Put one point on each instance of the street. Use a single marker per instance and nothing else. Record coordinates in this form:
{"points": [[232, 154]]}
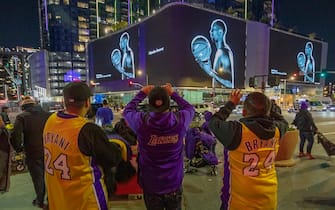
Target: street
{"points": [[307, 185]]}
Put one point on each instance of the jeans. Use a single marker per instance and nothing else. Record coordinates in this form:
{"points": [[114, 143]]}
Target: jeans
{"points": [[310, 138], [36, 170], [169, 201]]}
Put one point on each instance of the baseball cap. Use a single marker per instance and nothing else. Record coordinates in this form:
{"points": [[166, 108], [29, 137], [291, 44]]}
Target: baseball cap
{"points": [[76, 91], [159, 99]]}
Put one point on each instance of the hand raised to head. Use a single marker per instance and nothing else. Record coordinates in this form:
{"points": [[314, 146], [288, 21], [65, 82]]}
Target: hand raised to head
{"points": [[168, 88], [146, 89], [235, 96]]}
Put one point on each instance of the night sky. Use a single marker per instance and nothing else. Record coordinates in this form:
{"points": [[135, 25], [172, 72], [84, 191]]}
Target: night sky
{"points": [[19, 24]]}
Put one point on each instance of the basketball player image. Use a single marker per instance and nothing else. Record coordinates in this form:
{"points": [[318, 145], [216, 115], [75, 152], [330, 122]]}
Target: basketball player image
{"points": [[306, 63], [124, 61], [222, 69]]}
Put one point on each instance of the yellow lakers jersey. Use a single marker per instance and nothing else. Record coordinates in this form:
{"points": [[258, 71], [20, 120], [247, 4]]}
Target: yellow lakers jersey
{"points": [[250, 180], [73, 180]]}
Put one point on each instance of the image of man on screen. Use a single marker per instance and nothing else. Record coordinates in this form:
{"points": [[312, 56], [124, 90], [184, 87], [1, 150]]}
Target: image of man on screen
{"points": [[222, 69], [123, 60]]}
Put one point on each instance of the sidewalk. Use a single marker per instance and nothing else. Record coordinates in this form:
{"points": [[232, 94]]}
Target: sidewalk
{"points": [[309, 185]]}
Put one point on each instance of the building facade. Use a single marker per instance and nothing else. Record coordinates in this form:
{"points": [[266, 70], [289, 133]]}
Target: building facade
{"points": [[15, 78]]}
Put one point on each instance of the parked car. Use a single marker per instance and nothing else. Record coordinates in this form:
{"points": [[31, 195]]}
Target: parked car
{"points": [[316, 106], [201, 108], [331, 108]]}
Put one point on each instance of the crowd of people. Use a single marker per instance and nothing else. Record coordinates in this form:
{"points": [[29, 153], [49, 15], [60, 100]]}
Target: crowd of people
{"points": [[74, 162]]}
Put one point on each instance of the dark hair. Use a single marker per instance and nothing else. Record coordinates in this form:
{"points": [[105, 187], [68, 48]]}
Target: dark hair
{"points": [[104, 102], [257, 104]]}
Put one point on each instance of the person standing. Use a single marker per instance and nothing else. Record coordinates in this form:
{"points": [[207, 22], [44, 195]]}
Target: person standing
{"points": [[4, 157], [160, 134], [250, 147], [28, 126], [307, 128], [4, 115], [77, 152], [274, 107], [104, 115]]}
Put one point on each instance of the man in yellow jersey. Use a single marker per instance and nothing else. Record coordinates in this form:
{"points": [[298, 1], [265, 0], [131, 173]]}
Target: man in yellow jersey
{"points": [[75, 151], [250, 147]]}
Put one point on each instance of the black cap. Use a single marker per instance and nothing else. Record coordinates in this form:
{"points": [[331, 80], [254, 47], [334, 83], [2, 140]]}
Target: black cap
{"points": [[159, 100], [76, 91]]}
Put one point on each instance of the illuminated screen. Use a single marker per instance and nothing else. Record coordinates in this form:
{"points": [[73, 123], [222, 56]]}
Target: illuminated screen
{"points": [[183, 45], [189, 47], [114, 60], [294, 55]]}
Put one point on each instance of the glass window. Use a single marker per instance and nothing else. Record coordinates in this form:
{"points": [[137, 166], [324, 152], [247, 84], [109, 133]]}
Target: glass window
{"points": [[82, 5], [84, 32], [83, 38]]}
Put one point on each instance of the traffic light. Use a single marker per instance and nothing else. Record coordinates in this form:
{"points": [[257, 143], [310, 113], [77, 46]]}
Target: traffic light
{"points": [[273, 80], [252, 82], [323, 73], [130, 83]]}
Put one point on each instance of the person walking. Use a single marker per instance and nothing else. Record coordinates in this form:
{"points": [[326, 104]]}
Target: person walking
{"points": [[77, 152], [307, 128], [250, 147], [160, 134], [28, 126], [104, 115]]}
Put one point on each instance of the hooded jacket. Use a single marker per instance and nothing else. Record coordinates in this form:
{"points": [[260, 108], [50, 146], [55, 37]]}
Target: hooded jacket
{"points": [[304, 121], [29, 127], [229, 133], [160, 139]]}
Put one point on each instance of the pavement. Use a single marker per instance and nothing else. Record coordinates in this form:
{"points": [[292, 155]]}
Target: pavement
{"points": [[308, 185]]}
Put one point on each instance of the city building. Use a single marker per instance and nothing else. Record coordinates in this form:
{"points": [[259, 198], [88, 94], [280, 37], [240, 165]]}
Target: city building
{"points": [[15, 73], [184, 52]]}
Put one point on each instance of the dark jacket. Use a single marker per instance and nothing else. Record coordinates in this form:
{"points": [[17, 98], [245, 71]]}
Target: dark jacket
{"points": [[28, 131], [304, 121], [5, 117], [229, 133]]}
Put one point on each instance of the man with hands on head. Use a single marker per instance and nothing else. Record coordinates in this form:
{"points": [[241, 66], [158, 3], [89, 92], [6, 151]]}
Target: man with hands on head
{"points": [[250, 146], [160, 134]]}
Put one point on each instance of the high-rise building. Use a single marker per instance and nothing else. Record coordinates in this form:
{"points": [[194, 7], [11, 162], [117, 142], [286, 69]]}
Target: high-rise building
{"points": [[14, 73], [66, 26]]}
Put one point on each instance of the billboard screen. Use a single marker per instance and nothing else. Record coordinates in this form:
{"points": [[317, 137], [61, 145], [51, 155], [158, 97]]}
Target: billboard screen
{"points": [[293, 55], [114, 60], [189, 47], [183, 45]]}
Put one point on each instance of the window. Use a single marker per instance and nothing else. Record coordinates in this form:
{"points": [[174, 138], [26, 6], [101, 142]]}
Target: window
{"points": [[82, 5]]}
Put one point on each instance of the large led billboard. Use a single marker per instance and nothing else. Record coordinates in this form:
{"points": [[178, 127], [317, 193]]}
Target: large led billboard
{"points": [[114, 60], [190, 47], [294, 55], [183, 45]]}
